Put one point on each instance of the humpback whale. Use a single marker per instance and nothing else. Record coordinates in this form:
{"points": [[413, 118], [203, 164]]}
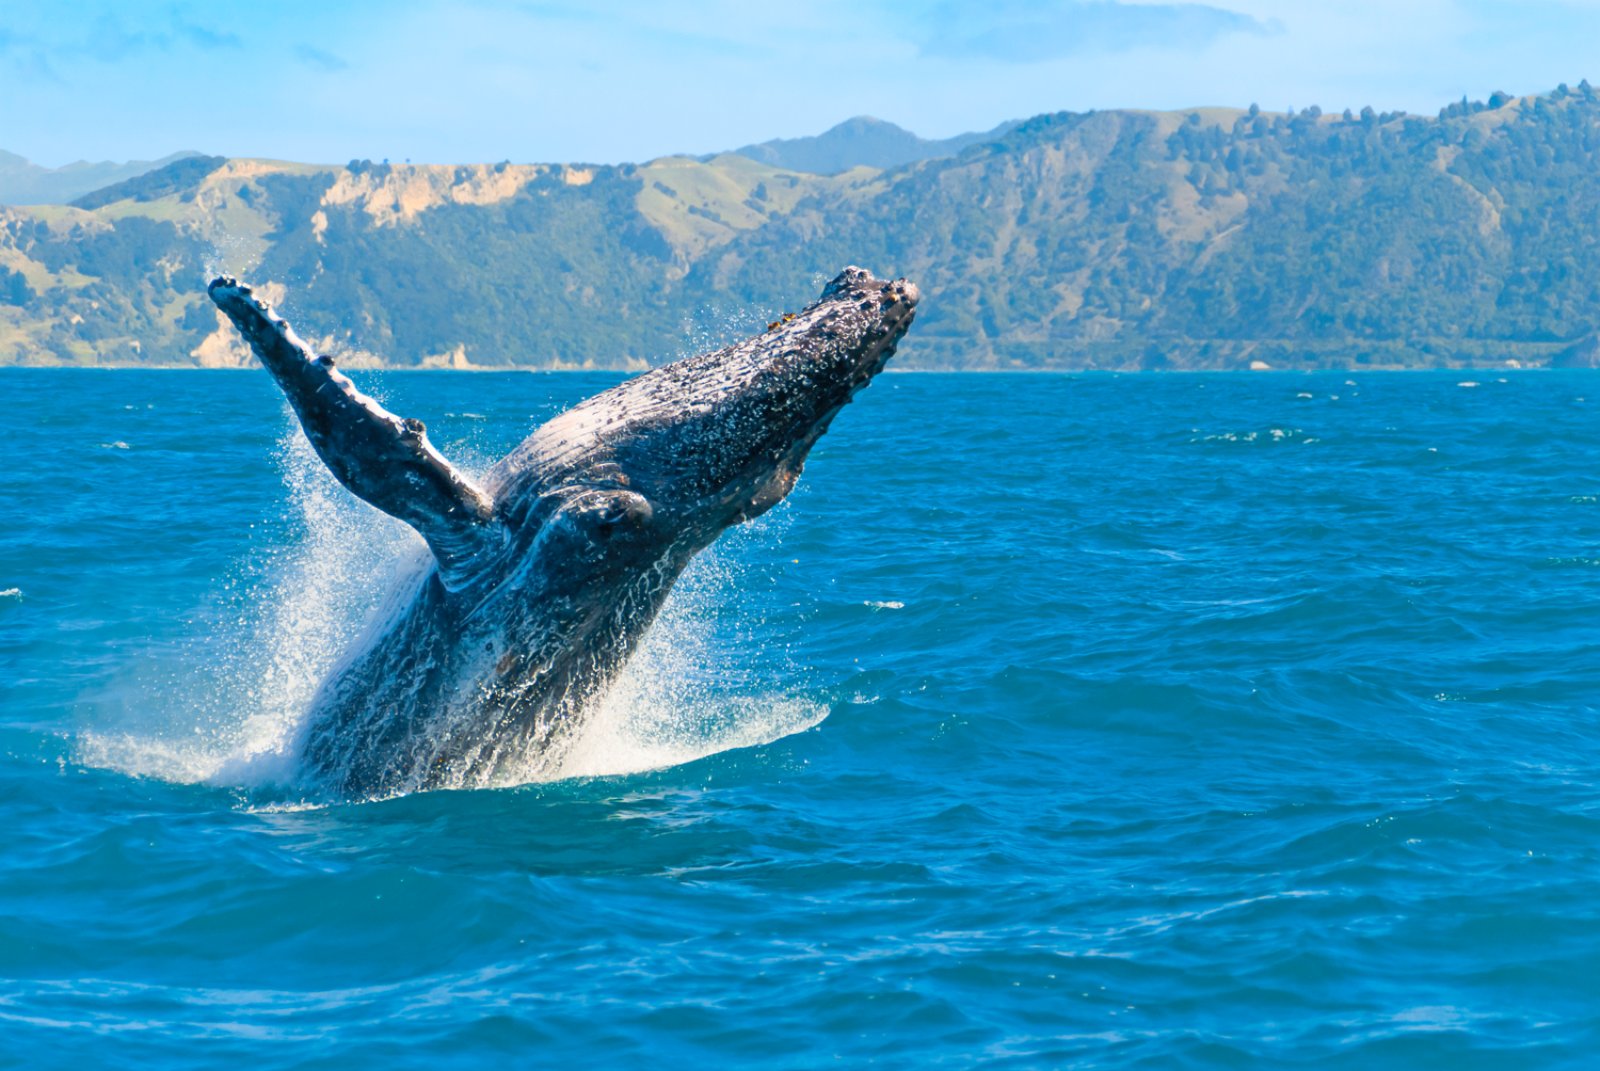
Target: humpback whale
{"points": [[546, 571]]}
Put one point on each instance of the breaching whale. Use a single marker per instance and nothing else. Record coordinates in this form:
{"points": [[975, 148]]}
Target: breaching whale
{"points": [[547, 571]]}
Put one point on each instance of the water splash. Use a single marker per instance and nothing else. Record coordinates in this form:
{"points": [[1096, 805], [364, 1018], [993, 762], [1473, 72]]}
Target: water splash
{"points": [[230, 707], [682, 696]]}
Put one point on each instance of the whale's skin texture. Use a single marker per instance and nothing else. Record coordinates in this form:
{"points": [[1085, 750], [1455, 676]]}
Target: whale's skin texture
{"points": [[545, 574]]}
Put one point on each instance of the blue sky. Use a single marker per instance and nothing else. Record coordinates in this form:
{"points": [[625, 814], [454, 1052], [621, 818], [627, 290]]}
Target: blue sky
{"points": [[613, 80]]}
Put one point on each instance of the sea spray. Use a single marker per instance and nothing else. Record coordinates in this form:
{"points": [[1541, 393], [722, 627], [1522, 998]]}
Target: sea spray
{"points": [[230, 705], [694, 686]]}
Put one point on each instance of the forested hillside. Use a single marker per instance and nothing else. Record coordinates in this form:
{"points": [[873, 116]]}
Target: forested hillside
{"points": [[1206, 239]]}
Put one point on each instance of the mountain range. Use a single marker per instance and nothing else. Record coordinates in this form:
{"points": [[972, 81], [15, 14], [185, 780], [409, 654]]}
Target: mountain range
{"points": [[860, 142], [1201, 238], [25, 183]]}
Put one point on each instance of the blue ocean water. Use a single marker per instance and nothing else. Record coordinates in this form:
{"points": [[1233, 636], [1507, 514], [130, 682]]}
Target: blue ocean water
{"points": [[1167, 721]]}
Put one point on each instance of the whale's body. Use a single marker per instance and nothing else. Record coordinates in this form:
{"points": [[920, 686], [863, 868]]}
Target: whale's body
{"points": [[545, 575]]}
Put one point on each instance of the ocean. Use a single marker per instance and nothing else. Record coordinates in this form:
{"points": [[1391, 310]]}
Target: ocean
{"points": [[1156, 721]]}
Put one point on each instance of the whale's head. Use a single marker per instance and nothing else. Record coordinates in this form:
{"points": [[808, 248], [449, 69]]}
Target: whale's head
{"points": [[668, 460], [722, 437]]}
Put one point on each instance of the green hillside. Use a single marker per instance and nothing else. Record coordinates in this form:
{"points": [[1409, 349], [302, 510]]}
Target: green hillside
{"points": [[1214, 238]]}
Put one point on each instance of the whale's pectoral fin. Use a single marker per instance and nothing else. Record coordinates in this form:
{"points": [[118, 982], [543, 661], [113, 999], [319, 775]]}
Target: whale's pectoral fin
{"points": [[380, 457]]}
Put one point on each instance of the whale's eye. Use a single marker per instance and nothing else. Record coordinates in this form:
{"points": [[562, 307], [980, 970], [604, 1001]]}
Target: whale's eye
{"points": [[606, 515], [619, 515]]}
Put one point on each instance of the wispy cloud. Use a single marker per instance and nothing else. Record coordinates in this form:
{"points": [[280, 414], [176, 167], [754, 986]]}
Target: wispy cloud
{"points": [[206, 37], [318, 59], [1026, 31], [25, 55], [110, 39]]}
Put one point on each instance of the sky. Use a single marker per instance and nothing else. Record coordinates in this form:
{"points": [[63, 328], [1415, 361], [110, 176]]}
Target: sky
{"points": [[606, 81]]}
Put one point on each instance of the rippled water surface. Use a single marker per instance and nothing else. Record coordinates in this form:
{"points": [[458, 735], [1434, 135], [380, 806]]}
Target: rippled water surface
{"points": [[1157, 722]]}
